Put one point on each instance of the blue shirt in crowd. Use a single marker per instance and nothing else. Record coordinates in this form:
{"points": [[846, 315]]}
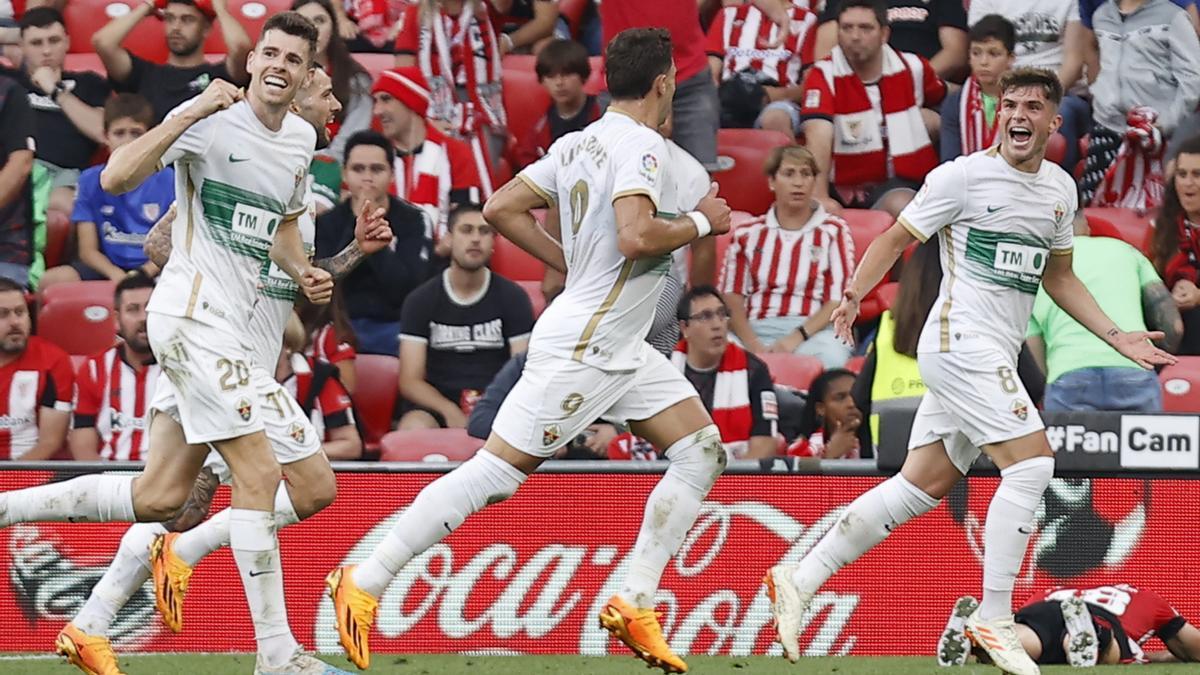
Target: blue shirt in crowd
{"points": [[1088, 7], [122, 221]]}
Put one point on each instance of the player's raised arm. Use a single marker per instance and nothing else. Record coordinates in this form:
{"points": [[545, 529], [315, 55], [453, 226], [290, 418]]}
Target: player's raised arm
{"points": [[641, 233], [509, 211], [133, 162], [1069, 293]]}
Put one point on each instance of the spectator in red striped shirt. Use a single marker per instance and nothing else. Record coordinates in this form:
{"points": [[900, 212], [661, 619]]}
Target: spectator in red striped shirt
{"points": [[433, 171], [36, 383], [562, 68], [330, 336], [862, 115], [315, 386], [784, 273], [113, 389], [739, 47]]}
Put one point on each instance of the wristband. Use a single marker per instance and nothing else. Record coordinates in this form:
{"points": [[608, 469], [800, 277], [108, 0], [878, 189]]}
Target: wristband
{"points": [[803, 333], [703, 227]]}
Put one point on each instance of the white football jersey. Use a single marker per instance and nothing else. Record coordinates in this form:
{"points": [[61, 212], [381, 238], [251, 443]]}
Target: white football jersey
{"points": [[686, 184], [997, 227], [277, 295], [235, 181], [607, 306]]}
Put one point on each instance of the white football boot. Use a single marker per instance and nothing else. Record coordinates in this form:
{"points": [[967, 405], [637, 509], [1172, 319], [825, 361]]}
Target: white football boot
{"points": [[954, 646], [788, 605], [1082, 644], [998, 638]]}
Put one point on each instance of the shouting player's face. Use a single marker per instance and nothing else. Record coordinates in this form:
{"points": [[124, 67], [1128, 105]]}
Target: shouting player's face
{"points": [[278, 66], [471, 241], [131, 318], [317, 104], [1026, 121], [15, 325], [1187, 182]]}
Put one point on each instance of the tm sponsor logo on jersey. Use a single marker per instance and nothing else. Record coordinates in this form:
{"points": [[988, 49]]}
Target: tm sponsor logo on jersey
{"points": [[1160, 442]]}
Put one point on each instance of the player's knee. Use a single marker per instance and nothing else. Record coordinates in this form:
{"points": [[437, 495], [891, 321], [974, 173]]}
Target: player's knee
{"points": [[258, 478], [316, 495], [700, 457], [156, 503]]}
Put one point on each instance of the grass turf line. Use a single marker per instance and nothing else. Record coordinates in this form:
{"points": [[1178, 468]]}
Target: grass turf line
{"points": [[441, 664]]}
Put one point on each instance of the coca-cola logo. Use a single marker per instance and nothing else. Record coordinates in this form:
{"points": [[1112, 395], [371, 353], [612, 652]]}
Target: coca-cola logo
{"points": [[542, 592], [50, 586]]}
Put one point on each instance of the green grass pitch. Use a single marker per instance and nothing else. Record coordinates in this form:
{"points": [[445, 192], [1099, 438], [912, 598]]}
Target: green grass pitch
{"points": [[421, 664]]}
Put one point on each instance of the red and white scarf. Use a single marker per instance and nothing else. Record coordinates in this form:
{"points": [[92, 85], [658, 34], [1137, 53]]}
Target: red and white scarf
{"points": [[1135, 178], [860, 155], [731, 393], [375, 18], [976, 133], [480, 76]]}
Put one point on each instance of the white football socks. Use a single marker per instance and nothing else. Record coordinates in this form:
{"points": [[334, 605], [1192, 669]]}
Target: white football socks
{"points": [[436, 512], [98, 497], [130, 569], [212, 534], [256, 551], [867, 521], [696, 462], [1006, 533]]}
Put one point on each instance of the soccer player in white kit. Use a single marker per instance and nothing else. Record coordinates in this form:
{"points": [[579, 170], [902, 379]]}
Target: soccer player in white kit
{"points": [[587, 355], [310, 484], [240, 163], [1003, 217]]}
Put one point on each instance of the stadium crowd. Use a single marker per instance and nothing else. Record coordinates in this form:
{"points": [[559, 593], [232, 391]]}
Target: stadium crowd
{"points": [[818, 120]]}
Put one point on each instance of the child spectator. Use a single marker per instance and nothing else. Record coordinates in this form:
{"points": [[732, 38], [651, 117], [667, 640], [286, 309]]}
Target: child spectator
{"points": [[330, 336], [829, 428], [969, 114], [110, 229], [562, 68], [315, 386]]}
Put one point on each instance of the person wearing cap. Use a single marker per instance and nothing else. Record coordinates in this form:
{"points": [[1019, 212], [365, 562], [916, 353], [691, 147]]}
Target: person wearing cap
{"points": [[186, 73], [432, 171]]}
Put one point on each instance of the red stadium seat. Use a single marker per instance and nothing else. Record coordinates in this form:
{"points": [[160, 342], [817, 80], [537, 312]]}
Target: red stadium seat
{"points": [[85, 17], [855, 364], [1103, 227], [78, 325], [58, 238], [95, 292], [514, 263], [377, 382], [429, 445], [525, 101], [1056, 148], [792, 370], [739, 219], [596, 82], [573, 11], [376, 63], [90, 61], [866, 226], [743, 185], [534, 290], [878, 301], [1136, 230], [1181, 385]]}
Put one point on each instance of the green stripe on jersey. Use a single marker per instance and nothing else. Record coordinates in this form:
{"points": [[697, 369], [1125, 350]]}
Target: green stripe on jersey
{"points": [[1007, 259], [242, 221]]}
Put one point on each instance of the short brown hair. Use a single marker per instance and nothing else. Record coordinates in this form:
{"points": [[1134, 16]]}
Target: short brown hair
{"points": [[796, 153], [133, 106], [296, 25], [1046, 80]]}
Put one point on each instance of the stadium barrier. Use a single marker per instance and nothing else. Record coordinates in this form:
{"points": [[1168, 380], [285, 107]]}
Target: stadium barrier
{"points": [[529, 575]]}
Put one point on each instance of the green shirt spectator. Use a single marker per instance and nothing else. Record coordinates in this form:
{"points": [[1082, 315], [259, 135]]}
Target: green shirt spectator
{"points": [[1083, 372]]}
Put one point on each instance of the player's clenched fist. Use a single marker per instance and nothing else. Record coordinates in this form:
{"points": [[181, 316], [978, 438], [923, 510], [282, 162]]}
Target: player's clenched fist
{"points": [[217, 96], [317, 285], [716, 210]]}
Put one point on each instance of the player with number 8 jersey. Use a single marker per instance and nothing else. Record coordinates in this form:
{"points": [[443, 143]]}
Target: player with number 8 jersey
{"points": [[1003, 218]]}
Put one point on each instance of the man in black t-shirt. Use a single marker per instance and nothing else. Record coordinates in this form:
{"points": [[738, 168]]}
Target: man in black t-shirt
{"points": [[186, 73], [933, 29], [747, 414], [68, 107], [16, 163], [459, 329]]}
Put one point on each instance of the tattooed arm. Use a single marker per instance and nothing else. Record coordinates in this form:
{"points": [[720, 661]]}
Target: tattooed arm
{"points": [[372, 233], [157, 246], [343, 262], [1160, 312]]}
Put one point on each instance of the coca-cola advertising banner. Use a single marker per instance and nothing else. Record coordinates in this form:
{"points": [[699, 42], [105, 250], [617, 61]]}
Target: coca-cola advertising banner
{"points": [[529, 575]]}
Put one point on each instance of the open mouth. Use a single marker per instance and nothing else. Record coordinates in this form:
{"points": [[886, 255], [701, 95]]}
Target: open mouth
{"points": [[1020, 135], [275, 82]]}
